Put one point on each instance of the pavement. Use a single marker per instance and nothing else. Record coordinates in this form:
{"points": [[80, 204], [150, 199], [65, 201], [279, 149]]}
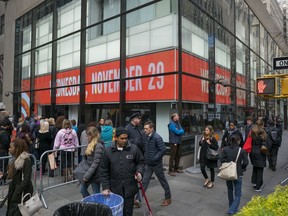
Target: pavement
{"points": [[188, 195]]}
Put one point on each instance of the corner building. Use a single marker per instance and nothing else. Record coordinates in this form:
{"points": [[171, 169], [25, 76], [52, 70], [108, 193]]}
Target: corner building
{"points": [[88, 59]]}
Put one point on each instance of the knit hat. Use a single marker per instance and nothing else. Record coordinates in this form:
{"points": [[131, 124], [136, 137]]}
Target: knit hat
{"points": [[135, 115], [121, 130]]}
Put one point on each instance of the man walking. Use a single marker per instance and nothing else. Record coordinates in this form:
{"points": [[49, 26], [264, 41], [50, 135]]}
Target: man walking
{"points": [[122, 164], [175, 139], [154, 152]]}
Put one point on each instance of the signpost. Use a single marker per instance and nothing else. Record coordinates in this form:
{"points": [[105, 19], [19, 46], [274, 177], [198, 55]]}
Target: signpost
{"points": [[280, 63]]}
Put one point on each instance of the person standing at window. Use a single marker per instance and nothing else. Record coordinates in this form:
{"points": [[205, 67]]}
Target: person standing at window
{"points": [[208, 141], [234, 187], [175, 139]]}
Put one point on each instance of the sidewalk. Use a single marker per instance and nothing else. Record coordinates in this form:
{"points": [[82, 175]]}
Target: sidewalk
{"points": [[188, 195]]}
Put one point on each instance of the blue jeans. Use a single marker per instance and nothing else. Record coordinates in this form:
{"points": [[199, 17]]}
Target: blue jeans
{"points": [[84, 189], [234, 199]]}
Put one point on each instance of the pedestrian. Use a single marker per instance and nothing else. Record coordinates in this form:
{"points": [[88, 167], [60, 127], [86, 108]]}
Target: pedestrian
{"points": [[19, 171], [175, 139], [234, 187], [5, 140], [121, 165], [107, 133], [65, 138], [45, 143], [258, 157], [208, 141], [229, 132], [93, 156], [136, 135], [154, 151], [275, 136], [248, 126], [26, 135]]}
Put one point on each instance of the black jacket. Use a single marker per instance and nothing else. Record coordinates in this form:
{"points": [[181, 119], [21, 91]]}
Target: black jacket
{"points": [[45, 141], [118, 169], [154, 149], [257, 158], [203, 153], [230, 153], [17, 186], [136, 136], [226, 137], [4, 140]]}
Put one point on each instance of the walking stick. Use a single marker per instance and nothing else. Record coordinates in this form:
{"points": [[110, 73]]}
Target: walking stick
{"points": [[146, 200]]}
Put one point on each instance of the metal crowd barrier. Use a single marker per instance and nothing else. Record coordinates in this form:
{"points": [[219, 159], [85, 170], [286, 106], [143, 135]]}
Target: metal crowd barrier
{"points": [[4, 161], [62, 175]]}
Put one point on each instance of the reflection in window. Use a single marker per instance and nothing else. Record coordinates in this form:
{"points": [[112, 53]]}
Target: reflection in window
{"points": [[26, 65], [43, 59]]}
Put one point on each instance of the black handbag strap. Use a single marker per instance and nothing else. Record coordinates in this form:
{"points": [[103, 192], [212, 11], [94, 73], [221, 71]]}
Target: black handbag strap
{"points": [[238, 155]]}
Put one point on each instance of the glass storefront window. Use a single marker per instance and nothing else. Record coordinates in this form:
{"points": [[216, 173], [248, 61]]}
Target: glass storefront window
{"points": [[69, 16], [224, 13], [23, 33], [44, 22], [223, 47], [254, 33], [263, 42], [242, 15], [43, 60], [26, 65]]}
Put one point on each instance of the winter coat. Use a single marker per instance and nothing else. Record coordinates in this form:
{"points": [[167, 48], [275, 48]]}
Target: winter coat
{"points": [[257, 158], [58, 142], [226, 137], [84, 142], [118, 169], [136, 136], [175, 132], [230, 154], [17, 186], [45, 141], [94, 160], [107, 135], [4, 141], [203, 153], [154, 149]]}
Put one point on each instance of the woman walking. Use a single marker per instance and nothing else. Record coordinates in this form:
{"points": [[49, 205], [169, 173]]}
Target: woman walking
{"points": [[234, 187], [19, 171], [208, 141], [92, 157]]}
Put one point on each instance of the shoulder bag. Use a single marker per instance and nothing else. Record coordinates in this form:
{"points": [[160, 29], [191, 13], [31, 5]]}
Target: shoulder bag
{"points": [[212, 154], [81, 170], [228, 171], [31, 206]]}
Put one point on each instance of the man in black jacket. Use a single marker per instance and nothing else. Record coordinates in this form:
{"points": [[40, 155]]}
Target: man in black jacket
{"points": [[122, 164], [154, 151]]}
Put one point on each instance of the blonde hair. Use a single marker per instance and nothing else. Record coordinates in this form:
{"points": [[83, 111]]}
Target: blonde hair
{"points": [[51, 121], [210, 128], [44, 127], [94, 133]]}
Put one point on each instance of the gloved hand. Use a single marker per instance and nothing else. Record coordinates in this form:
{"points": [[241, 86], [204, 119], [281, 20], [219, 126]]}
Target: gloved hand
{"points": [[138, 176]]}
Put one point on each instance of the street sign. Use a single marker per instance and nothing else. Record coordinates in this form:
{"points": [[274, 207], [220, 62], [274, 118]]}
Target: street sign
{"points": [[265, 86], [280, 63]]}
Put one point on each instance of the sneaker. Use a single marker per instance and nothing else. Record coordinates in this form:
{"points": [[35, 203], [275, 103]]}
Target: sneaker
{"points": [[166, 202], [137, 203], [258, 190], [172, 174]]}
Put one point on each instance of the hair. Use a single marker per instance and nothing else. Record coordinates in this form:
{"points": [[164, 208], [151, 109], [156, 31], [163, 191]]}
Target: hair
{"points": [[257, 131], [173, 115], [73, 122], [20, 147], [234, 139], [25, 128], [21, 120], [260, 123], [59, 121], [150, 123], [108, 122], [5, 122], [94, 133], [44, 127], [234, 122], [211, 131], [51, 121], [249, 118], [92, 124], [66, 124]]}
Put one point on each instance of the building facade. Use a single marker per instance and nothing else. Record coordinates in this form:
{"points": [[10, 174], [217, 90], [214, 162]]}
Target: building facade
{"points": [[87, 59]]}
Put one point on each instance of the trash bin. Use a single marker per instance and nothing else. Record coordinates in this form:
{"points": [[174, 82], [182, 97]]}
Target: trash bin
{"points": [[114, 201], [80, 208]]}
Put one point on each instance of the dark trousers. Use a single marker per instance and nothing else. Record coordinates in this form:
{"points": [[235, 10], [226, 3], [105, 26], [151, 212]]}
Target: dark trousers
{"points": [[175, 154], [159, 172], [4, 162], [272, 157], [257, 177], [204, 173], [128, 204]]}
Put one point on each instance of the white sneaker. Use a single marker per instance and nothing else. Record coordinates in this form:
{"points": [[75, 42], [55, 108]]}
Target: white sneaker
{"points": [[259, 190]]}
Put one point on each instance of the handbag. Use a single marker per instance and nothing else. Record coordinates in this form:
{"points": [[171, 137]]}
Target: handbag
{"points": [[248, 143], [228, 171], [31, 206], [198, 153], [264, 149], [212, 154], [81, 170], [52, 161]]}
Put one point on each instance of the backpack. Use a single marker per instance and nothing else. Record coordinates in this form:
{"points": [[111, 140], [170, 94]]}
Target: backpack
{"points": [[274, 136], [68, 140]]}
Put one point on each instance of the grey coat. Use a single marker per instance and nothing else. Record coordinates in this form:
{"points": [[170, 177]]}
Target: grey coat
{"points": [[94, 160]]}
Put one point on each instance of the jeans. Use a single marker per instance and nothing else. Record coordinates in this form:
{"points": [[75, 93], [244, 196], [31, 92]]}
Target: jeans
{"points": [[84, 189], [234, 199], [159, 172]]}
